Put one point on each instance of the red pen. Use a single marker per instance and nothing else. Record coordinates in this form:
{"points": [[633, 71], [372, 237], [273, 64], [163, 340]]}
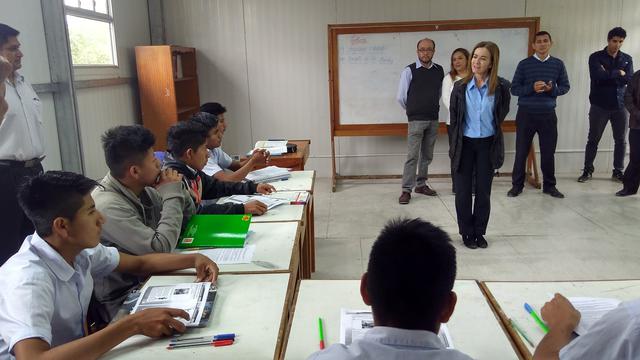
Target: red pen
{"points": [[216, 343]]}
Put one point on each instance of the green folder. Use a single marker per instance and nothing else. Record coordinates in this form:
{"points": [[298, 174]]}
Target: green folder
{"points": [[207, 231]]}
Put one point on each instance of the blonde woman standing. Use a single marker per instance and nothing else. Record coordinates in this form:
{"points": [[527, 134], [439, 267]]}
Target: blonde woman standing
{"points": [[479, 104]]}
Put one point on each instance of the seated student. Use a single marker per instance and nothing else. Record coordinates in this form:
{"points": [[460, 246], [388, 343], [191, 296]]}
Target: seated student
{"points": [[615, 336], [220, 161], [47, 284], [188, 155], [143, 207], [408, 284]]}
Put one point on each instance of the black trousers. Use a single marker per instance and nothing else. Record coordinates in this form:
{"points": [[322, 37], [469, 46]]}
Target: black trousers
{"points": [[527, 125], [14, 223], [598, 119], [475, 163], [632, 173]]}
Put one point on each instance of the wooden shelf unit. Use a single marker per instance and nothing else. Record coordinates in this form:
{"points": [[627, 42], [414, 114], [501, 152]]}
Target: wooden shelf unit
{"points": [[168, 87]]}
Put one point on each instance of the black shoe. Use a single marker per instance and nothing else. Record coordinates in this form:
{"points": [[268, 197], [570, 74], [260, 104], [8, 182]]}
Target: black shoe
{"points": [[586, 175], [514, 192], [617, 175], [624, 192], [481, 241], [469, 241], [554, 192]]}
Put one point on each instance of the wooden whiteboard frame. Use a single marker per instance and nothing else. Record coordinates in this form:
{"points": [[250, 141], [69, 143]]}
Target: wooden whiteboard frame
{"points": [[400, 129]]}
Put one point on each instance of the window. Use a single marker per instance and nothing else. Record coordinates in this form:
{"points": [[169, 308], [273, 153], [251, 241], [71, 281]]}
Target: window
{"points": [[91, 35]]}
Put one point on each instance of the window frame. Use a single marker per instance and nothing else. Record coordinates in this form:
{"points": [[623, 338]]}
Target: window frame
{"points": [[97, 16]]}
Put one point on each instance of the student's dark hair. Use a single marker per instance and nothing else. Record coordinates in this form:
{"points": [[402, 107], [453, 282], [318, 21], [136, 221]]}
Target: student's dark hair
{"points": [[125, 146], [185, 135], [51, 195], [617, 31], [541, 33], [411, 271], [213, 108], [6, 32], [208, 120]]}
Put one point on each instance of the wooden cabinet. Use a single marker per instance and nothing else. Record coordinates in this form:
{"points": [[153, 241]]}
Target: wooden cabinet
{"points": [[168, 87]]}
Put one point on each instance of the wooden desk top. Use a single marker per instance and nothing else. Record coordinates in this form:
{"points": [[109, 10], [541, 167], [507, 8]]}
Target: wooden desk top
{"points": [[474, 328], [293, 161], [250, 306]]}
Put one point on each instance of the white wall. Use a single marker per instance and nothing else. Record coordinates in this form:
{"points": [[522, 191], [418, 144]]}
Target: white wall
{"points": [[104, 107], [266, 60], [26, 17]]}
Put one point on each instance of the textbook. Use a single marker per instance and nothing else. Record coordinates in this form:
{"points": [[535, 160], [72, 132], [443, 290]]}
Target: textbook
{"points": [[208, 231], [194, 298], [243, 199], [268, 174]]}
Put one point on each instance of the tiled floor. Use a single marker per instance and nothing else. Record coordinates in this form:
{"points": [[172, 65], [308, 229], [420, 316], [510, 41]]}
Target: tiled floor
{"points": [[589, 235]]}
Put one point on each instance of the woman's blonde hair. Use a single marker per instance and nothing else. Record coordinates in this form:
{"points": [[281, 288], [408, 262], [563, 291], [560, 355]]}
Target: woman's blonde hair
{"points": [[494, 51]]}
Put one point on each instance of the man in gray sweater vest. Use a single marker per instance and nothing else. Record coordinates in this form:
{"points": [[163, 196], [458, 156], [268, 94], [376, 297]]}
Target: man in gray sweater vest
{"points": [[143, 207], [419, 94]]}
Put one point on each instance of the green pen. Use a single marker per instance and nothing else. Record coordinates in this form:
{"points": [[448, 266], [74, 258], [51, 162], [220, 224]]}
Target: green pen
{"points": [[520, 331], [321, 333], [535, 317]]}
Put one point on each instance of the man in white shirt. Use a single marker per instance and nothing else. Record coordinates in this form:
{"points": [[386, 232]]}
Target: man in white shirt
{"points": [[219, 160], [615, 336], [408, 284], [47, 285], [21, 141]]}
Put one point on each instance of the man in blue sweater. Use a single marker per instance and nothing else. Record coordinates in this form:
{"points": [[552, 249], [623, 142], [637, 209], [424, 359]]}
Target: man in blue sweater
{"points": [[610, 70], [538, 80]]}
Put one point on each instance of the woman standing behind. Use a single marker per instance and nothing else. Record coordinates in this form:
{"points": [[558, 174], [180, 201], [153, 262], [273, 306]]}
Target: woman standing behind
{"points": [[459, 63], [479, 104]]}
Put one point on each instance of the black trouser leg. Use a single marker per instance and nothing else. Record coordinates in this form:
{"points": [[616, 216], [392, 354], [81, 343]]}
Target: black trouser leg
{"points": [[14, 223], [632, 173], [619, 125], [484, 179], [598, 119], [548, 138], [525, 130], [463, 181]]}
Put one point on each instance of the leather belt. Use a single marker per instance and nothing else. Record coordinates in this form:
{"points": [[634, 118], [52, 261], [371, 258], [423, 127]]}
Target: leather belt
{"points": [[21, 164]]}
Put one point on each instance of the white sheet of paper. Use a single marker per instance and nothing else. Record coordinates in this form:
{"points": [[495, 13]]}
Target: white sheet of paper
{"points": [[591, 310], [268, 173], [355, 323], [228, 256], [297, 197], [243, 199], [190, 297]]}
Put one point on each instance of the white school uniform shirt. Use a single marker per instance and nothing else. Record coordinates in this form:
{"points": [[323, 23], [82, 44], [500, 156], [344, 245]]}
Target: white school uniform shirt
{"points": [[218, 160], [387, 343], [615, 336], [447, 88], [44, 297], [21, 130]]}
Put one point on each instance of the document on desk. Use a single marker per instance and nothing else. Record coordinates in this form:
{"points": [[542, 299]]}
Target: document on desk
{"points": [[269, 173], [275, 147], [293, 197], [190, 297], [355, 323], [591, 310], [228, 256], [243, 199]]}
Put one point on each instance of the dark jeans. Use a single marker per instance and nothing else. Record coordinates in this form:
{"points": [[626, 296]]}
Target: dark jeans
{"points": [[598, 118], [632, 173], [14, 223], [527, 125], [473, 216]]}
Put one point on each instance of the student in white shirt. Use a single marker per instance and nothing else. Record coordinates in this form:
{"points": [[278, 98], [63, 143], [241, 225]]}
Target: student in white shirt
{"points": [[220, 161], [615, 336], [408, 284], [47, 285], [459, 62]]}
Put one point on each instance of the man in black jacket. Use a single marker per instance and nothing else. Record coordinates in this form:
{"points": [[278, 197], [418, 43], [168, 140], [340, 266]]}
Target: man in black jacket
{"points": [[188, 155], [610, 70]]}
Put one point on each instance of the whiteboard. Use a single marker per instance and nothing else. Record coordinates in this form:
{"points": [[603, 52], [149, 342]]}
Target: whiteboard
{"points": [[370, 65]]}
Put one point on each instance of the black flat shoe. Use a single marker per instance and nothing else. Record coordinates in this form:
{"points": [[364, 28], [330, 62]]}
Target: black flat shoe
{"points": [[554, 192], [514, 192], [624, 192], [481, 242], [469, 241]]}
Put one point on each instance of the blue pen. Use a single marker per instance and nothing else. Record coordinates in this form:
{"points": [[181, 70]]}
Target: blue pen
{"points": [[535, 317]]}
